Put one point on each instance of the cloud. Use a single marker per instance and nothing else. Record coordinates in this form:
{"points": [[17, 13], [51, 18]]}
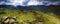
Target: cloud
{"points": [[28, 2], [34, 2], [47, 3]]}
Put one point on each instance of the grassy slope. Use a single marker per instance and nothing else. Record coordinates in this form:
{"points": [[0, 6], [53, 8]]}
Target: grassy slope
{"points": [[49, 18]]}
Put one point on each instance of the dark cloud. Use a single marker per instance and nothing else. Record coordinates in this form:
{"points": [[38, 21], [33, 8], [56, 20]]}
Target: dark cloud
{"points": [[52, 0], [3, 0]]}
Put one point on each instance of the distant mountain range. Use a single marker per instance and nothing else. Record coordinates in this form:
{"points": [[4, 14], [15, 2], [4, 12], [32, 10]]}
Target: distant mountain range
{"points": [[51, 8], [24, 7]]}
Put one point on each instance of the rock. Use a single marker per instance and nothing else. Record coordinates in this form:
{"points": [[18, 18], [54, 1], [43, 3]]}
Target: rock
{"points": [[9, 20]]}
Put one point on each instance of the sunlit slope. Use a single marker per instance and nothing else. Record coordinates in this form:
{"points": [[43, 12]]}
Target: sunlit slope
{"points": [[49, 18], [19, 14]]}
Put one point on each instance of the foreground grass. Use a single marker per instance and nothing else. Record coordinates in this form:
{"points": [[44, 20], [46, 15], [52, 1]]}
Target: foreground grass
{"points": [[49, 18]]}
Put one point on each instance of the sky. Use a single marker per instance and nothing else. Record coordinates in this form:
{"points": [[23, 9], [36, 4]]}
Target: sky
{"points": [[29, 2]]}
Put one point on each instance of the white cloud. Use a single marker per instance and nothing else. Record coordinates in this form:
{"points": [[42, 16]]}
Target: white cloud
{"points": [[33, 3], [2, 2], [28, 2]]}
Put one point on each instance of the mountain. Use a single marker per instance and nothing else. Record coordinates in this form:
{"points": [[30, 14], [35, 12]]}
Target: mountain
{"points": [[38, 7], [52, 8], [7, 6]]}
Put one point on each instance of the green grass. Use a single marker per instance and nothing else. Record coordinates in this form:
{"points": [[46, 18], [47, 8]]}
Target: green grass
{"points": [[49, 18]]}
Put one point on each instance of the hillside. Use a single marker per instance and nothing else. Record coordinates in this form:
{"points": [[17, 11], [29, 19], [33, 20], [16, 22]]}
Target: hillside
{"points": [[31, 15]]}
